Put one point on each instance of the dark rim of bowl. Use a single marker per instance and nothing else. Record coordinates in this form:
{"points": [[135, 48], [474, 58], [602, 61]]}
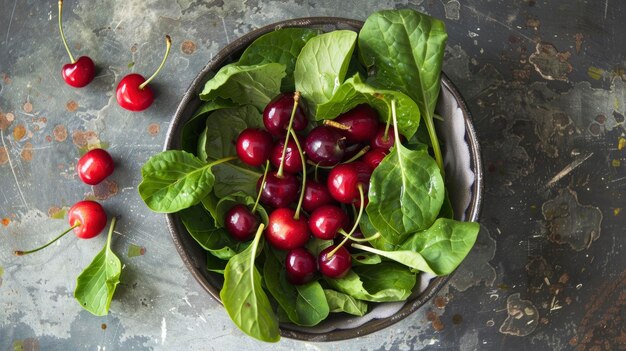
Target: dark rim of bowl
{"points": [[172, 141]]}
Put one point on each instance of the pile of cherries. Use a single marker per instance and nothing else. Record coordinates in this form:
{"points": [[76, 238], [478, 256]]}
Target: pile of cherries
{"points": [[340, 155]]}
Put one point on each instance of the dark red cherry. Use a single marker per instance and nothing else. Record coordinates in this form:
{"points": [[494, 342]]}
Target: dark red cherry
{"points": [[382, 142], [240, 222], [335, 266], [300, 265], [278, 112], [351, 151], [326, 221], [362, 122], [373, 157], [344, 179], [325, 146], [279, 191], [316, 194], [284, 232], [95, 166], [293, 159], [254, 146], [79, 73]]}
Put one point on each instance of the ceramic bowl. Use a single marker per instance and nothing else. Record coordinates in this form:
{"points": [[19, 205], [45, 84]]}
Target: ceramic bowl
{"points": [[463, 173]]}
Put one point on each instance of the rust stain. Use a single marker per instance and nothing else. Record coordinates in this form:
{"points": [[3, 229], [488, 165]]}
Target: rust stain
{"points": [[103, 326], [104, 190], [5, 221], [27, 152], [60, 133], [153, 129], [533, 23], [457, 319], [71, 106], [435, 320], [440, 301], [27, 107], [6, 79], [4, 156], [550, 63], [522, 318], [188, 47], [133, 48], [578, 38], [86, 140], [19, 132], [4, 122]]}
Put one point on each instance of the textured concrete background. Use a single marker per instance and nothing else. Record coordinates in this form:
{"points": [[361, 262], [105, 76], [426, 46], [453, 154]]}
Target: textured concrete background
{"points": [[543, 79]]}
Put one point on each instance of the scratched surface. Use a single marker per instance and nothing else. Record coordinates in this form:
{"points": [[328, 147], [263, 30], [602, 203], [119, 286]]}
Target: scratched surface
{"points": [[545, 81]]}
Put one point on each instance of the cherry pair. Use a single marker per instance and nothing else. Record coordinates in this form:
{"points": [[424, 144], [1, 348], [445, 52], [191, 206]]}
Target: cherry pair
{"points": [[132, 93]]}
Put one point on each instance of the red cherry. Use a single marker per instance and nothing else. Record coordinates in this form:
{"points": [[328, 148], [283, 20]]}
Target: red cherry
{"points": [[277, 114], [133, 93], [300, 265], [373, 157], [362, 123], [95, 166], [344, 179], [278, 191], [293, 159], [326, 221], [315, 195], [254, 146], [285, 232], [382, 142], [325, 146], [337, 265], [91, 217], [79, 73], [240, 222]]}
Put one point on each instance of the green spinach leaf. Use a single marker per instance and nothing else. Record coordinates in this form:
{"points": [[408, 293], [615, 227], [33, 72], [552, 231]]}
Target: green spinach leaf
{"points": [[322, 65], [281, 46], [252, 85], [195, 126], [243, 296], [365, 258], [406, 193], [340, 302], [405, 49], [231, 177], [96, 285], [215, 264], [355, 92]]}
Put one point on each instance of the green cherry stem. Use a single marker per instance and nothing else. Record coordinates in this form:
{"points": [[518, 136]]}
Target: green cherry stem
{"points": [[168, 46], [111, 228], [258, 196], [356, 223], [386, 134], [295, 138], [358, 240], [22, 253], [296, 100], [61, 30]]}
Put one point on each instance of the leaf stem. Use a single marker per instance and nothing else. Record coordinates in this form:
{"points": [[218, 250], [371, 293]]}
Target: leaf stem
{"points": [[258, 196], [168, 46], [111, 228], [386, 134], [430, 126], [296, 100], [61, 30], [395, 129], [22, 253], [221, 160], [356, 223], [295, 138], [359, 240]]}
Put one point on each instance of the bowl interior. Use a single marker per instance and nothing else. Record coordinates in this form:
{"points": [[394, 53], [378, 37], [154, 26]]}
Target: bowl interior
{"points": [[463, 177]]}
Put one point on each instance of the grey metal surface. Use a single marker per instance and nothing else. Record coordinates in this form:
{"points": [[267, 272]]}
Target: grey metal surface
{"points": [[547, 272]]}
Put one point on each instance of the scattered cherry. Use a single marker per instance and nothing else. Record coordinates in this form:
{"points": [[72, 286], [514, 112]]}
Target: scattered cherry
{"points": [[326, 221], [344, 180], [86, 218], [277, 114], [133, 92], [279, 191], [240, 222], [325, 146], [79, 72], [362, 123], [293, 159], [373, 157], [300, 265], [337, 265], [254, 146], [285, 232], [316, 195], [95, 166], [384, 142]]}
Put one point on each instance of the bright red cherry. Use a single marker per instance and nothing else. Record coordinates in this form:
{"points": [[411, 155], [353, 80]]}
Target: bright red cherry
{"points": [[79, 72], [293, 159], [95, 166], [325, 146], [362, 123], [316, 194], [284, 232], [326, 221], [384, 142], [240, 222], [254, 146], [133, 92], [279, 191], [337, 265], [300, 265], [344, 179], [277, 114], [373, 157]]}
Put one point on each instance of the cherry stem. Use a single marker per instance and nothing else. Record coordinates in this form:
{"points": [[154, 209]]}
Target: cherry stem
{"points": [[295, 138], [386, 134], [296, 100], [362, 152], [258, 196], [168, 46], [61, 30], [221, 160], [22, 253], [358, 240], [356, 223], [335, 124]]}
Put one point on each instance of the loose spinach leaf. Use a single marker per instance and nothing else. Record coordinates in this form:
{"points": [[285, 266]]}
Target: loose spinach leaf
{"points": [[355, 92], [406, 193], [405, 49], [174, 180], [243, 296], [383, 282], [195, 126], [216, 241], [305, 305], [252, 85], [322, 65], [282, 46], [239, 197], [340, 302], [445, 244], [96, 285]]}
